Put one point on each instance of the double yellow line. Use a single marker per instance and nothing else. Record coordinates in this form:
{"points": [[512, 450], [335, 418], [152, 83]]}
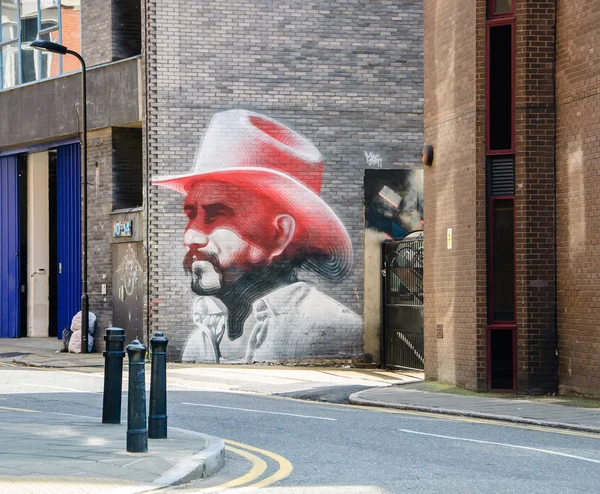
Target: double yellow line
{"points": [[259, 467]]}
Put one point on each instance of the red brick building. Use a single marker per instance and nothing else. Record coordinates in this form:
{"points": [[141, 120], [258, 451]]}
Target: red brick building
{"points": [[511, 224]]}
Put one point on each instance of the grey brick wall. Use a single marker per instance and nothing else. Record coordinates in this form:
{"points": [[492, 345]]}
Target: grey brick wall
{"points": [[347, 75], [110, 30], [99, 177], [114, 156]]}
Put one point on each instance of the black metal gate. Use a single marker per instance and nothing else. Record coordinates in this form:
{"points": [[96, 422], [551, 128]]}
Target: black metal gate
{"points": [[402, 288]]}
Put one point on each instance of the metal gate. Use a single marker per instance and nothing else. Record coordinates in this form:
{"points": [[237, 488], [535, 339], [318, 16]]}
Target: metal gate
{"points": [[9, 248], [402, 336]]}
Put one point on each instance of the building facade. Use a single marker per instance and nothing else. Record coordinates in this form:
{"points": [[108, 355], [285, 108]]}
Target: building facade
{"points": [[509, 110], [245, 162], [262, 119], [40, 160]]}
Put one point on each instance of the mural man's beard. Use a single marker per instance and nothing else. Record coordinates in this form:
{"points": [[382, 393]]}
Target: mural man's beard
{"points": [[208, 279]]}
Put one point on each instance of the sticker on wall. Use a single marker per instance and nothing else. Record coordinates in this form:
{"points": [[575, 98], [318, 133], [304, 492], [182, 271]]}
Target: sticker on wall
{"points": [[255, 221]]}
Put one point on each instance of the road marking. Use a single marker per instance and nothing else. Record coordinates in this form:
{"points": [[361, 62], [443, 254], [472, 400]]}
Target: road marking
{"points": [[285, 466], [61, 388], [259, 466], [258, 411], [19, 410], [460, 418], [528, 448]]}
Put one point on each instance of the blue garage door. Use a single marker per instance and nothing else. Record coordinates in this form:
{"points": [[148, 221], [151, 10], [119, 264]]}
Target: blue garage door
{"points": [[68, 193], [9, 248]]}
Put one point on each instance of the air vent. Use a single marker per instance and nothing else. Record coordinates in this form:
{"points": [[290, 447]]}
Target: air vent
{"points": [[502, 176]]}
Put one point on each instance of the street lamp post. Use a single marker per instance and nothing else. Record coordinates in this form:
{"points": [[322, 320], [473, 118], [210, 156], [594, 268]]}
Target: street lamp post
{"points": [[51, 47]]}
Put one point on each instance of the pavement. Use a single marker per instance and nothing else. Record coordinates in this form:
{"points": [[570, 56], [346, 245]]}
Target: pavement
{"points": [[57, 452], [86, 453], [547, 412], [52, 452]]}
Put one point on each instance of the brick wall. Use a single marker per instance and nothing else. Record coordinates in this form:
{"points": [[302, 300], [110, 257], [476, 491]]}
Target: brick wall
{"points": [[71, 36], [454, 279], [111, 30], [100, 159], [347, 76], [534, 175], [96, 32], [577, 162]]}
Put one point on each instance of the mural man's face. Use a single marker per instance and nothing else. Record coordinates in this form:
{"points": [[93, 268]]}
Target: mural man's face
{"points": [[230, 232]]}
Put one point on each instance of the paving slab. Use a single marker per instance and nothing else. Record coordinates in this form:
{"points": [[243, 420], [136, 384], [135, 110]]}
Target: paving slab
{"points": [[46, 452]]}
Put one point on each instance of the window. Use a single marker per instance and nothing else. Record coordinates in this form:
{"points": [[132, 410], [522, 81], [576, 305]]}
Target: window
{"points": [[503, 260], [500, 151], [500, 115], [24, 21], [500, 7]]}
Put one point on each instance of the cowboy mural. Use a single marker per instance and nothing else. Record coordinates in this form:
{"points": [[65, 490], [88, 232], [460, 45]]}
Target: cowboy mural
{"points": [[255, 222]]}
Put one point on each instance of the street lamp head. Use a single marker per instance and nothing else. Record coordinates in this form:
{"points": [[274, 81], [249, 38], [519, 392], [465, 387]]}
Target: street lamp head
{"points": [[42, 45]]}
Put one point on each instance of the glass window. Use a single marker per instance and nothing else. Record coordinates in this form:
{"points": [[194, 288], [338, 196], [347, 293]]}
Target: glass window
{"points": [[503, 259], [9, 19], [24, 21], [9, 65], [502, 6], [70, 20], [500, 118], [29, 31], [48, 15], [50, 61]]}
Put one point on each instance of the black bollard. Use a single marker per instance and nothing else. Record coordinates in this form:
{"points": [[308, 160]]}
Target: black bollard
{"points": [[113, 375], [157, 419], [137, 433]]}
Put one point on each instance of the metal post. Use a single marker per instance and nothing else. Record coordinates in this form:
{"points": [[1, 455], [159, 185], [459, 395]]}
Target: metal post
{"points": [[85, 304], [137, 433], [113, 375], [157, 419]]}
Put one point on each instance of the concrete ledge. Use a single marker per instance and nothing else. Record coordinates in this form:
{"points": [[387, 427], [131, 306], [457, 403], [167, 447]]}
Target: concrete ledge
{"points": [[355, 399]]}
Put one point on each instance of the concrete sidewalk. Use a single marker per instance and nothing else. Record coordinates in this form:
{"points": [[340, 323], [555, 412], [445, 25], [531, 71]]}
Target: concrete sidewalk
{"points": [[51, 452], [534, 411], [45, 352]]}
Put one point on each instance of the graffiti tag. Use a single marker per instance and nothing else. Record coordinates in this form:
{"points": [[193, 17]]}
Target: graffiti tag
{"points": [[374, 159]]}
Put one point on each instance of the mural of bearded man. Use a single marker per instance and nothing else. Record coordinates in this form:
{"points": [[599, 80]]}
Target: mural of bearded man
{"points": [[255, 220]]}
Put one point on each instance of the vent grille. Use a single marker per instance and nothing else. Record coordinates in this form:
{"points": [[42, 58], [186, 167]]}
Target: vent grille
{"points": [[503, 177]]}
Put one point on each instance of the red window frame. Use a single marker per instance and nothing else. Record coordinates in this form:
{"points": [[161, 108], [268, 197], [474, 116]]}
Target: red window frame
{"points": [[499, 21], [491, 320], [500, 325]]}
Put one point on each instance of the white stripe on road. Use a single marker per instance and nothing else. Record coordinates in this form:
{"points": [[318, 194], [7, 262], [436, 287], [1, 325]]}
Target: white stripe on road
{"points": [[60, 388], [547, 451], [258, 411]]}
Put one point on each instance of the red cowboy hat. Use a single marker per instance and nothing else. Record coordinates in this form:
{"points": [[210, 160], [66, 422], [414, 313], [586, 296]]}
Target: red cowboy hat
{"points": [[263, 155]]}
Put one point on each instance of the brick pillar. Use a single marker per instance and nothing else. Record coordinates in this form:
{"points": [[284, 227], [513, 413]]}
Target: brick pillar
{"points": [[455, 278], [535, 187], [99, 178]]}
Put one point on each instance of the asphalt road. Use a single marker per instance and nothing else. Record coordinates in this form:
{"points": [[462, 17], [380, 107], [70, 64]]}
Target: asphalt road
{"points": [[340, 448]]}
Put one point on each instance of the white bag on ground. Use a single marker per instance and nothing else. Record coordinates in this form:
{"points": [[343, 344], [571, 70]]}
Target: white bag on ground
{"points": [[76, 322], [75, 342]]}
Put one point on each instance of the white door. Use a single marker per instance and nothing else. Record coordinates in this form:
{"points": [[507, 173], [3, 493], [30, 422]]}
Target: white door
{"points": [[38, 245]]}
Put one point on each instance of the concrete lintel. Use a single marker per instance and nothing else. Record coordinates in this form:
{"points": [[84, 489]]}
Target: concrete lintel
{"points": [[47, 110]]}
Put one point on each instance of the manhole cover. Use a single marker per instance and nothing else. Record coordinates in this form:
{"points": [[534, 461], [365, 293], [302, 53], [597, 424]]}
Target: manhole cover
{"points": [[12, 354]]}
